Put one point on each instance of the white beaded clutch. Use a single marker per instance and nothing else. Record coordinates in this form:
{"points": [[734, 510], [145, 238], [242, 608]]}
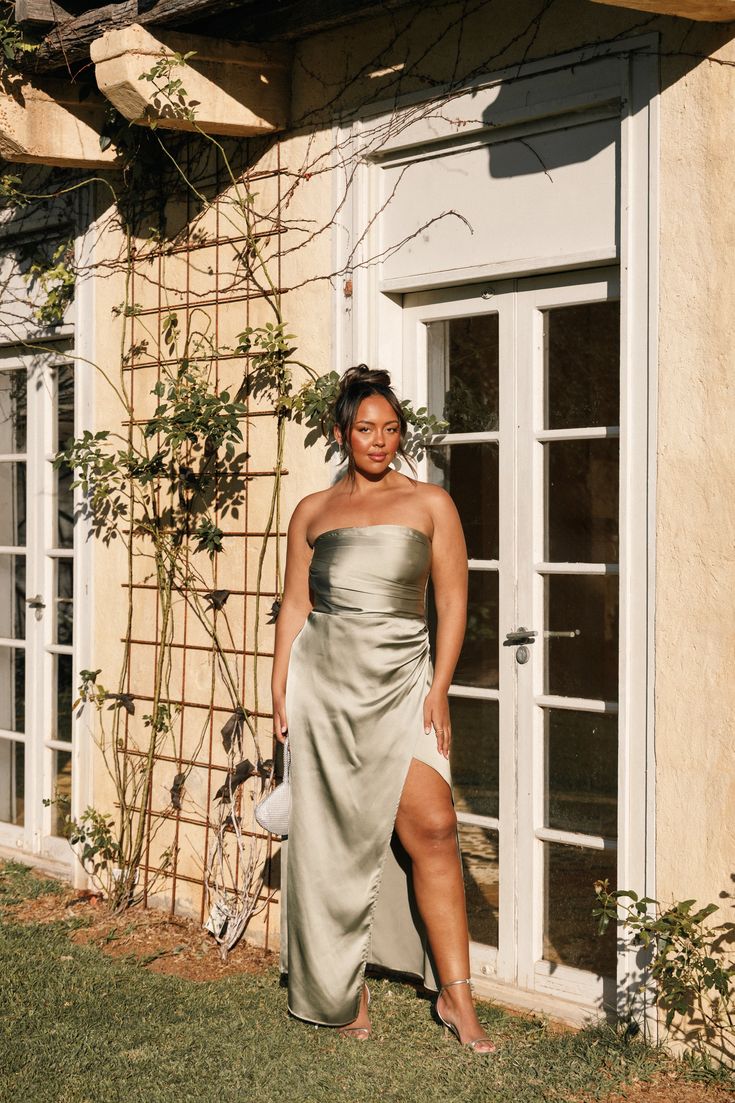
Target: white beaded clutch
{"points": [[272, 812]]}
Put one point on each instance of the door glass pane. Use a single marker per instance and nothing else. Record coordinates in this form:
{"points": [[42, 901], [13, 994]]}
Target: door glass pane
{"points": [[64, 475], [570, 931], [12, 689], [64, 404], [12, 782], [12, 503], [463, 372], [64, 507], [63, 683], [61, 790], [474, 755], [582, 365], [64, 604], [584, 664], [469, 472], [582, 501], [13, 596], [582, 772], [478, 661], [13, 410], [479, 847]]}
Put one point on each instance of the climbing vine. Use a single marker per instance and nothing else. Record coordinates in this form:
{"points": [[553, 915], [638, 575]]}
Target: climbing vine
{"points": [[55, 278]]}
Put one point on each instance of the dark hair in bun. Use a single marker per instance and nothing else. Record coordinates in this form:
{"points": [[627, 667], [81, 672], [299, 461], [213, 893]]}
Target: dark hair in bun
{"points": [[356, 384]]}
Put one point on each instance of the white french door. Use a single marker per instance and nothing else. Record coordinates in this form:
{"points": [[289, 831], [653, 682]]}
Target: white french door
{"points": [[544, 472], [37, 672]]}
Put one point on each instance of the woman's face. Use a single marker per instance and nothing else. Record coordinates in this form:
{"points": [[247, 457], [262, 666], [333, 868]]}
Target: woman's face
{"points": [[375, 436]]}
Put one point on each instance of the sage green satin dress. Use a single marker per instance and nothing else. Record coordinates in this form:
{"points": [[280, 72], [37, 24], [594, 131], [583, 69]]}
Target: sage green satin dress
{"points": [[358, 674]]}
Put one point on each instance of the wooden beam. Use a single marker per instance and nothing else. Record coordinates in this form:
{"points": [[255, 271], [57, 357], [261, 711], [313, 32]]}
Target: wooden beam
{"points": [[34, 13], [69, 42]]}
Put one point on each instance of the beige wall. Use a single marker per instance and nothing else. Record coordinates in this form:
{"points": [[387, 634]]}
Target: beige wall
{"points": [[695, 494]]}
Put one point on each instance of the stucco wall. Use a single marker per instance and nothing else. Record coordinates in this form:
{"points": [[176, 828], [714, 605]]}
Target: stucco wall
{"points": [[695, 493]]}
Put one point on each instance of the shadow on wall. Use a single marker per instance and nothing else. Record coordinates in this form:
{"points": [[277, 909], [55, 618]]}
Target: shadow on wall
{"points": [[584, 140]]}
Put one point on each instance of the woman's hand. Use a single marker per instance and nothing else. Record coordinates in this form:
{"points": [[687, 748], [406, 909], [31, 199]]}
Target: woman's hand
{"points": [[436, 715], [280, 723]]}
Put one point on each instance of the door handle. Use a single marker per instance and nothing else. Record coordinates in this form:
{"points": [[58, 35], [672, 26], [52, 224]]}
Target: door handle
{"points": [[520, 639], [37, 604], [521, 636]]}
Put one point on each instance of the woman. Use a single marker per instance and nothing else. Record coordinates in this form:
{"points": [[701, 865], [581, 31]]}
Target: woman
{"points": [[373, 832]]}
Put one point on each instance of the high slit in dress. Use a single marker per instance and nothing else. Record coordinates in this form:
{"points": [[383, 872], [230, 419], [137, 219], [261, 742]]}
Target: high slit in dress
{"points": [[358, 674]]}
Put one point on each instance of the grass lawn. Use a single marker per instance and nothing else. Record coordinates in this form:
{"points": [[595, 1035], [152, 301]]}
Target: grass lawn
{"points": [[78, 1025]]}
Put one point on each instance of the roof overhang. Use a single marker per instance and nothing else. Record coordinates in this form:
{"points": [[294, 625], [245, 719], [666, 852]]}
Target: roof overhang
{"points": [[707, 11]]}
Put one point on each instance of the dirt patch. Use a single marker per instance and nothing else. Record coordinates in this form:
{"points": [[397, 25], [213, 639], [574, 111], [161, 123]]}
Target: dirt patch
{"points": [[670, 1088], [163, 943]]}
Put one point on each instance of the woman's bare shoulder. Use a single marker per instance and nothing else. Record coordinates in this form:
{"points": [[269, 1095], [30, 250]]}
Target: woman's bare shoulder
{"points": [[437, 503], [432, 496], [430, 502], [309, 507]]}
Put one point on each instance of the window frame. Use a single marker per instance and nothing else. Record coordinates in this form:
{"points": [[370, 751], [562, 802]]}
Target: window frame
{"points": [[34, 841]]}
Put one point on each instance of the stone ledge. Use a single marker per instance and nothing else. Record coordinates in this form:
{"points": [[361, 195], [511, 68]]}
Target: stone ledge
{"points": [[231, 88], [46, 123]]}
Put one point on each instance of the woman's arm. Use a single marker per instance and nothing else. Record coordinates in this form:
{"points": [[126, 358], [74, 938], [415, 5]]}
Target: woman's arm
{"points": [[295, 608], [449, 577]]}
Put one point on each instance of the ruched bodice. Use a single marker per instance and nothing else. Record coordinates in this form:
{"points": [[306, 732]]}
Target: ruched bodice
{"points": [[371, 569], [358, 675]]}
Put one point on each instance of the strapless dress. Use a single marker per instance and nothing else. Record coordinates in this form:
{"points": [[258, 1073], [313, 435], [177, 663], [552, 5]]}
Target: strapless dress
{"points": [[358, 674]]}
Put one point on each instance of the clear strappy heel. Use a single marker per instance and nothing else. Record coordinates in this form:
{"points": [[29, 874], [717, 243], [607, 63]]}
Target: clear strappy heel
{"points": [[451, 1026], [359, 1033]]}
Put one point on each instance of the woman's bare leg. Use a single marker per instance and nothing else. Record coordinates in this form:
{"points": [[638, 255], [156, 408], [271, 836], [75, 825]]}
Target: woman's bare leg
{"points": [[427, 827]]}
